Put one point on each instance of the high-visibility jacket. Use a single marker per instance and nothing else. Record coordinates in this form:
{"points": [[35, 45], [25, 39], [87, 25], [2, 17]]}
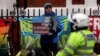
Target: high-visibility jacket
{"points": [[79, 43]]}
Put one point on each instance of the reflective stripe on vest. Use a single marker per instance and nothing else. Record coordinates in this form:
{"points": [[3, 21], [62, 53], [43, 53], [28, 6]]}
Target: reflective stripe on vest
{"points": [[80, 51], [68, 50], [90, 51]]}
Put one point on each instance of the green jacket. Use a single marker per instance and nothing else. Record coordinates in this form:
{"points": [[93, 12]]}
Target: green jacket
{"points": [[99, 55], [79, 43]]}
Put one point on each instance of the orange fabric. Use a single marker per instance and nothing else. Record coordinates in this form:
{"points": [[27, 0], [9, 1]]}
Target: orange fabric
{"points": [[4, 30]]}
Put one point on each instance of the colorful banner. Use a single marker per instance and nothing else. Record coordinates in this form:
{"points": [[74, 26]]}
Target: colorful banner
{"points": [[4, 28], [27, 35]]}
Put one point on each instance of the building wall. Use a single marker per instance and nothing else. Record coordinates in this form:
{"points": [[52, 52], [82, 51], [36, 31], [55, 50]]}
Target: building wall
{"points": [[8, 4], [2, 4], [88, 4]]}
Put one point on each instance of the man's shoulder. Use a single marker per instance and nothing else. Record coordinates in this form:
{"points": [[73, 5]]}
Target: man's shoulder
{"points": [[52, 14]]}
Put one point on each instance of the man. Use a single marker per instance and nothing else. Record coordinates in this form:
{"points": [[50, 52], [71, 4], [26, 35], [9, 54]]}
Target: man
{"points": [[80, 41], [49, 41]]}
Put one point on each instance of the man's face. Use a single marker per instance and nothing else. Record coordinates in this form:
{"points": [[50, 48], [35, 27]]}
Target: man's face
{"points": [[48, 10]]}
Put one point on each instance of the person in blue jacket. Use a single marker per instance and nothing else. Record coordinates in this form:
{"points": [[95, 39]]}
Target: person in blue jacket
{"points": [[49, 42]]}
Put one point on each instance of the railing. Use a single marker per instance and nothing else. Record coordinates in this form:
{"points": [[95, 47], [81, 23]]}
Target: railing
{"points": [[38, 12]]}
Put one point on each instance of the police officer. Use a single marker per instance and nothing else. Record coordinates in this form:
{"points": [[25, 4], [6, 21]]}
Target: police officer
{"points": [[80, 41]]}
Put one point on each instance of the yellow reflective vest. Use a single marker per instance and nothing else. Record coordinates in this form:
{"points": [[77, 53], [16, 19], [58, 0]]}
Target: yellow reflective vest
{"points": [[79, 43]]}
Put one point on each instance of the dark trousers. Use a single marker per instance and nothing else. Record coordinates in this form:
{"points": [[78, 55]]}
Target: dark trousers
{"points": [[4, 54], [97, 48], [47, 44], [48, 48]]}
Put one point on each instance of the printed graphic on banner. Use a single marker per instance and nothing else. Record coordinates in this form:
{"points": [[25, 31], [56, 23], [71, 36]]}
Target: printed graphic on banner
{"points": [[63, 35], [39, 28], [95, 25], [43, 26], [28, 39]]}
